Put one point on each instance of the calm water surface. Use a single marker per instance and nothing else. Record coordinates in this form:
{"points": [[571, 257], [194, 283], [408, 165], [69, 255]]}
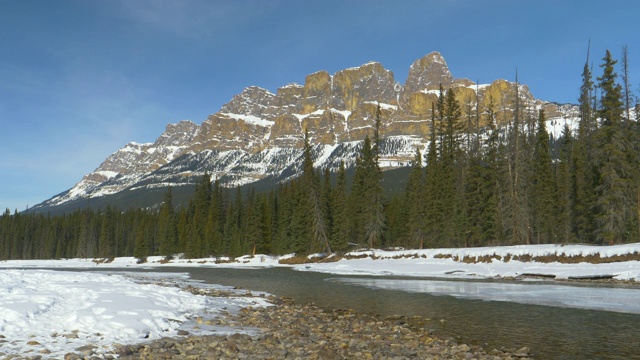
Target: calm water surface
{"points": [[552, 332]]}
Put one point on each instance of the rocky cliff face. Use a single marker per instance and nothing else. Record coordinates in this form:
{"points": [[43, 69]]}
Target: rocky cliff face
{"points": [[259, 134]]}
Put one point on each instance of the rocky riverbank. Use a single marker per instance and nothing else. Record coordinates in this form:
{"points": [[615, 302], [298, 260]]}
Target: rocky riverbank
{"points": [[294, 331]]}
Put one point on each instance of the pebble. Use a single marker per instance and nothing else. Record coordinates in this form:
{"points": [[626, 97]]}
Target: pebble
{"points": [[304, 331], [290, 331]]}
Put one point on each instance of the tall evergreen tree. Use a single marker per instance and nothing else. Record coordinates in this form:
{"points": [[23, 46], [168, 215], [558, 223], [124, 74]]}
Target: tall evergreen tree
{"points": [[583, 172], [253, 229], [87, 239], [143, 245], [107, 233], [518, 223], [312, 189], [625, 82], [544, 193], [565, 188], [340, 212], [414, 199], [199, 208], [614, 169], [374, 221], [213, 232], [167, 231], [433, 184]]}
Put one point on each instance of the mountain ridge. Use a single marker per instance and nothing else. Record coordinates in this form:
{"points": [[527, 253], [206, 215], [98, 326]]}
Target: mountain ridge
{"points": [[259, 134]]}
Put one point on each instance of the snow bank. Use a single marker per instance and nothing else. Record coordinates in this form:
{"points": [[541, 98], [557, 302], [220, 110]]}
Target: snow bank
{"points": [[500, 261], [492, 262], [51, 313], [511, 251]]}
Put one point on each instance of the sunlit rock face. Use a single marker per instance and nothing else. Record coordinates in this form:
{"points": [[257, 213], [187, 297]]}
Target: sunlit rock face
{"points": [[260, 134]]}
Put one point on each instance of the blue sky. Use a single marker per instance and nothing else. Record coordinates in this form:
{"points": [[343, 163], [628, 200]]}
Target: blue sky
{"points": [[80, 79]]}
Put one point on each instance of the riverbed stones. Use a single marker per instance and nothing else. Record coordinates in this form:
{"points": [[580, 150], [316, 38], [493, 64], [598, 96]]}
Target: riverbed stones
{"points": [[293, 331], [309, 332]]}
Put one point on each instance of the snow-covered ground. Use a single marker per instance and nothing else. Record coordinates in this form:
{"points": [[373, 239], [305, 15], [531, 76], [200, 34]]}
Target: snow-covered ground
{"points": [[447, 263], [51, 313], [60, 310], [441, 263]]}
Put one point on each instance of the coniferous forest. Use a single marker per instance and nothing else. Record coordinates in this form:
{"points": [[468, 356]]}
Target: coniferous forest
{"points": [[482, 185]]}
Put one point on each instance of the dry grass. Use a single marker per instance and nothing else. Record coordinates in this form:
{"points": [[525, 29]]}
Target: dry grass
{"points": [[591, 259], [302, 259], [299, 259], [488, 258], [225, 261], [103, 260]]}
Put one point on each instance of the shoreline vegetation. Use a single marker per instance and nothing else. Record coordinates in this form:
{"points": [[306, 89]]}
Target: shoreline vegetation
{"points": [[611, 263], [288, 330]]}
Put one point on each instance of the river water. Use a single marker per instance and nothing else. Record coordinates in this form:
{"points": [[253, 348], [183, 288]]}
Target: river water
{"points": [[569, 325]]}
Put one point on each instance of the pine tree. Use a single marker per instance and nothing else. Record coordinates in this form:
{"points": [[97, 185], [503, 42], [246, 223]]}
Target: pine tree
{"points": [[452, 173], [183, 230], [107, 234], [492, 213], [237, 218], [583, 173], [142, 247], [544, 192], [518, 222], [325, 200], [414, 199], [565, 188], [312, 188], [432, 199], [87, 240], [167, 231], [614, 170], [341, 224], [453, 127], [357, 195], [199, 208], [254, 226], [213, 232], [625, 82], [374, 220], [300, 230]]}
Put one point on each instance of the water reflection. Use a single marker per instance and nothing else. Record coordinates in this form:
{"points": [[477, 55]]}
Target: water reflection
{"points": [[593, 298]]}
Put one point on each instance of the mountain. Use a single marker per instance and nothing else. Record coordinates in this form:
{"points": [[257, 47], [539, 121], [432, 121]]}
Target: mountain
{"points": [[258, 135]]}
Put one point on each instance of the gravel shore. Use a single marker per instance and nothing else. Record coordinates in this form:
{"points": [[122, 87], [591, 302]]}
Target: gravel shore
{"points": [[294, 331]]}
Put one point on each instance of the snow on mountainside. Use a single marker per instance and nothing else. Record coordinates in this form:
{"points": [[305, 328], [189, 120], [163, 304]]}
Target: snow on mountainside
{"points": [[259, 134]]}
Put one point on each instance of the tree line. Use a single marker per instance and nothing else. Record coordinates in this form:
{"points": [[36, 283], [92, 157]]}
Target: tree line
{"points": [[482, 185]]}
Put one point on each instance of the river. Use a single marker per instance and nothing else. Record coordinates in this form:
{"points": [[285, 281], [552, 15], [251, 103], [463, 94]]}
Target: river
{"points": [[492, 314]]}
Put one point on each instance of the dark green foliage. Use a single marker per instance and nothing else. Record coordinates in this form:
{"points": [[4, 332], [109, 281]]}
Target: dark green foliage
{"points": [[414, 214], [565, 189], [544, 192], [340, 213], [433, 208], [615, 203], [582, 169], [482, 191], [315, 204]]}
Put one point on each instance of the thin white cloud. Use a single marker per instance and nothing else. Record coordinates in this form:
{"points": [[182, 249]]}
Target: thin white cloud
{"points": [[196, 19]]}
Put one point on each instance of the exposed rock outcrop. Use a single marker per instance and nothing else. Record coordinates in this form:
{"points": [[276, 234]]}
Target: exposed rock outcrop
{"points": [[258, 133]]}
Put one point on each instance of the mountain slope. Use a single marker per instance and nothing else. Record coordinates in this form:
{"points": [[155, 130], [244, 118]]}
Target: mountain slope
{"points": [[259, 135]]}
